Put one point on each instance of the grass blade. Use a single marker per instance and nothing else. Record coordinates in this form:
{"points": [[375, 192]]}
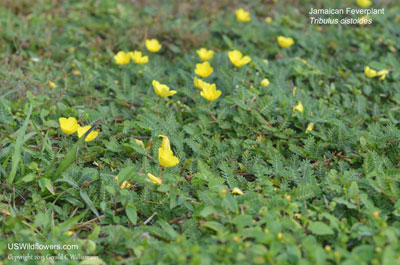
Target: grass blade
{"points": [[16, 157], [89, 203]]}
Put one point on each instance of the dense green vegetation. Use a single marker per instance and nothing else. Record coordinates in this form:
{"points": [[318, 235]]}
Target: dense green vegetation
{"points": [[252, 186]]}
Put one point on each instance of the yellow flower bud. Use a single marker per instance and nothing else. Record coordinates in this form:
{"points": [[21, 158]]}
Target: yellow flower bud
{"points": [[371, 73], [237, 191], [265, 82], [328, 248], [154, 179], [52, 84], [310, 127]]}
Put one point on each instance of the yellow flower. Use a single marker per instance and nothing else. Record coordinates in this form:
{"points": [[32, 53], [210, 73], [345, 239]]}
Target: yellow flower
{"points": [[205, 54], [268, 20], [310, 127], [371, 73], [238, 59], [382, 74], [52, 84], [242, 15], [210, 92], [68, 125], [154, 179], [138, 58], [91, 136], [204, 69], [237, 191], [294, 91], [125, 184], [299, 107], [153, 45], [166, 157], [285, 42], [122, 58], [162, 90], [364, 3], [198, 83], [265, 82]]}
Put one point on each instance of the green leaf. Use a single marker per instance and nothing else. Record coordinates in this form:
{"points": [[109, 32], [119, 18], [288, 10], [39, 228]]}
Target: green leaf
{"points": [[320, 228], [131, 212], [125, 174], [168, 228], [230, 202], [353, 190], [207, 211], [217, 227], [348, 204], [46, 184]]}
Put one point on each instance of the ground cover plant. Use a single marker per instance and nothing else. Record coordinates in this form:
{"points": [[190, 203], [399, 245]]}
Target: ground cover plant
{"points": [[198, 132]]}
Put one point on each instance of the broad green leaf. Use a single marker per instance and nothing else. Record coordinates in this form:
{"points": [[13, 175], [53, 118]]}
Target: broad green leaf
{"points": [[217, 227], [320, 228], [131, 213]]}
